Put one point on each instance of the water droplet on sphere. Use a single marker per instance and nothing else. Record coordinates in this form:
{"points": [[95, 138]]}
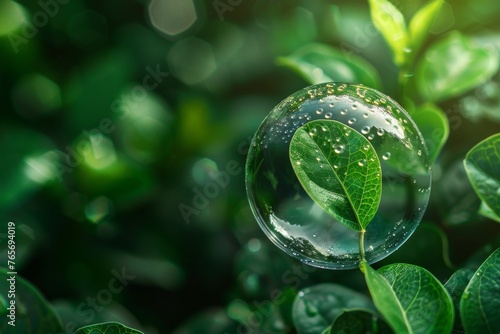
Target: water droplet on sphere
{"points": [[339, 148]]}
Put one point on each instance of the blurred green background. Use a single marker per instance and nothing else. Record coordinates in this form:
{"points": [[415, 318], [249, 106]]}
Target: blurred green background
{"points": [[117, 115]]}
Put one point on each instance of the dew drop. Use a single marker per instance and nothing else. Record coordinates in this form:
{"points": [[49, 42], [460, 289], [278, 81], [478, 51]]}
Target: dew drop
{"points": [[380, 132], [365, 130], [362, 162], [386, 156], [319, 111], [351, 121], [343, 111], [339, 148], [371, 136], [361, 92], [365, 115], [328, 115]]}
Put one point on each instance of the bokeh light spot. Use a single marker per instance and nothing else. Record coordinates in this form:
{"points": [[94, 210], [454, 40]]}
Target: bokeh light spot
{"points": [[172, 17], [191, 60], [203, 170], [254, 245], [12, 16], [102, 153], [41, 168], [98, 209]]}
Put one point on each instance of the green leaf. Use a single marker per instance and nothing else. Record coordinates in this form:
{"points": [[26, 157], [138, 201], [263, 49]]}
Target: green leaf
{"points": [[421, 22], [455, 286], [486, 211], [317, 306], [107, 328], [391, 24], [480, 303], [33, 315], [482, 164], [339, 169], [438, 78], [318, 63], [410, 298], [433, 124], [359, 322], [28, 163]]}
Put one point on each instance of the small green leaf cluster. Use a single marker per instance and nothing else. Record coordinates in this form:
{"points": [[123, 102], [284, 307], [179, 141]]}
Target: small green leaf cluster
{"points": [[405, 299]]}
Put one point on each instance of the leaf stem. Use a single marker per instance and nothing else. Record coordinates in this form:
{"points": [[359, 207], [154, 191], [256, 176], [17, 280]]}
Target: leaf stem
{"points": [[362, 245]]}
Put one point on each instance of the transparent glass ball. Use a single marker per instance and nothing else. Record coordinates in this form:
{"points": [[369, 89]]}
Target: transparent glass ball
{"points": [[299, 226]]}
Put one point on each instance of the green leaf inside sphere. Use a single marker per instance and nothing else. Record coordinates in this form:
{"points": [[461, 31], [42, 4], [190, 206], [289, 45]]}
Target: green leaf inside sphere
{"points": [[339, 169]]}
